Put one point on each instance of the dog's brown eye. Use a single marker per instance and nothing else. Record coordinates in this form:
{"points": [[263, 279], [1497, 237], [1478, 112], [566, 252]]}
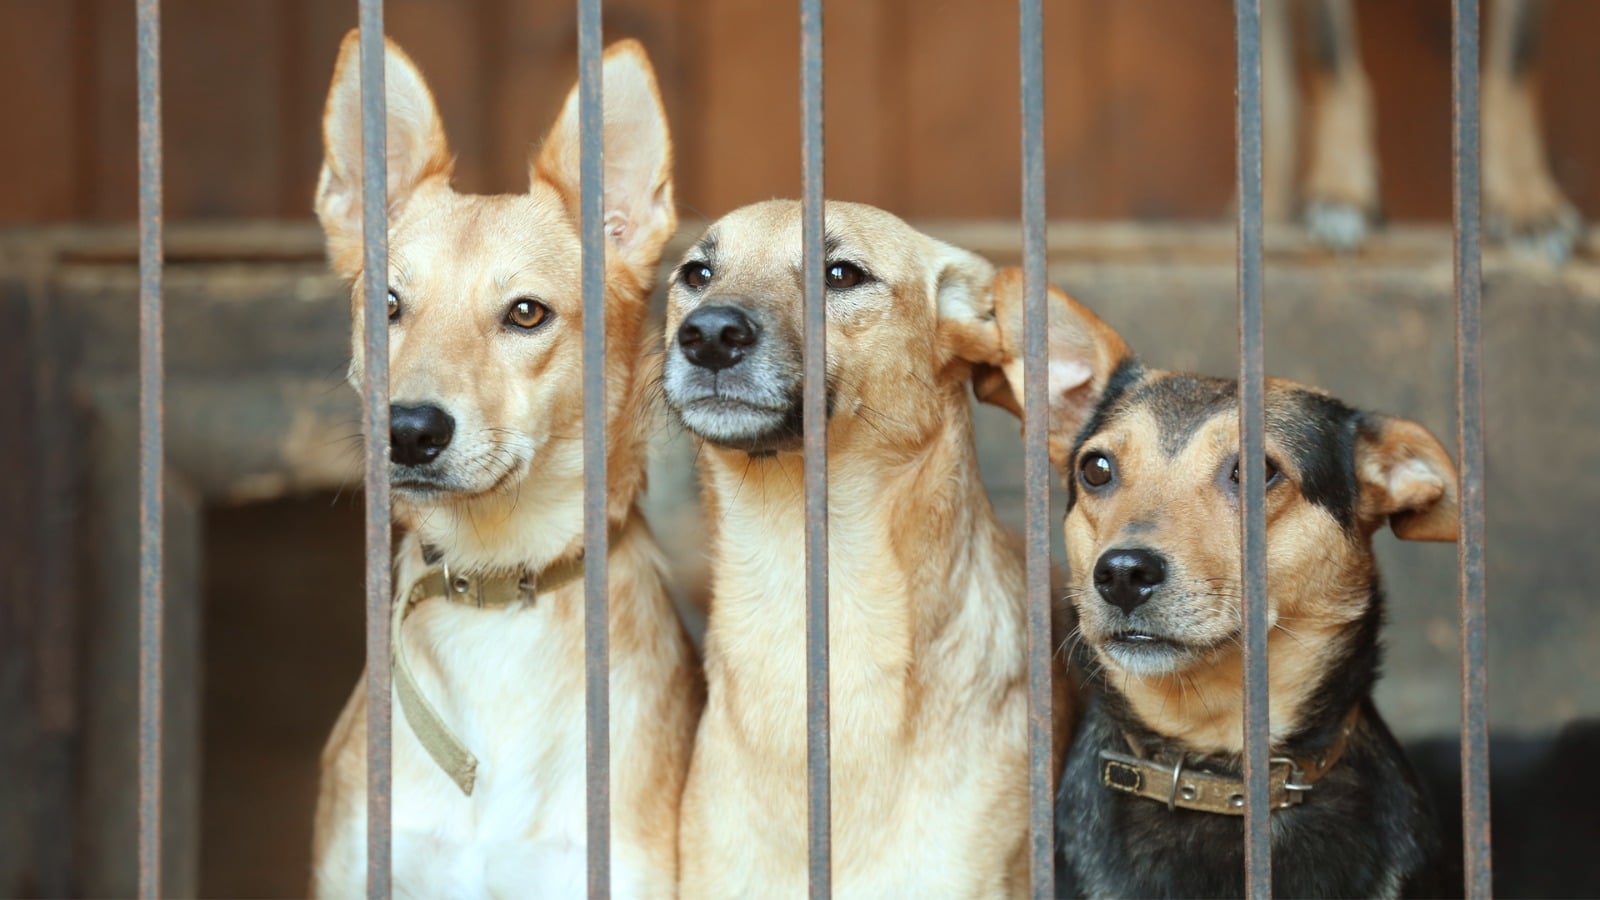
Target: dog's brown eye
{"points": [[394, 306], [844, 275], [1272, 473], [1095, 470], [696, 275], [527, 314]]}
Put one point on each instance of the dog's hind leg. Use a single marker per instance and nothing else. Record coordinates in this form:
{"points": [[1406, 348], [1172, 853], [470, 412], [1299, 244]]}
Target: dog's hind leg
{"points": [[1280, 111], [1341, 182], [1523, 205]]}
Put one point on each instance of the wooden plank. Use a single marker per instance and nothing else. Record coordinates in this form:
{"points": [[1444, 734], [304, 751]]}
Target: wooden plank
{"points": [[1406, 49], [220, 85], [38, 603], [19, 505], [865, 123], [446, 40], [245, 439], [107, 140], [749, 109], [108, 828], [37, 179]]}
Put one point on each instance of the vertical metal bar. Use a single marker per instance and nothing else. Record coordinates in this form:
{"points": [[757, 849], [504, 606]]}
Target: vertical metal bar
{"points": [[375, 424], [815, 348], [152, 384], [1036, 460], [596, 643], [1252, 455], [1469, 449]]}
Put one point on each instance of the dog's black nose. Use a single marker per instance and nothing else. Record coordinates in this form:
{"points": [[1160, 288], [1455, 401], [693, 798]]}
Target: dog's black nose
{"points": [[418, 434], [716, 337], [1126, 578]]}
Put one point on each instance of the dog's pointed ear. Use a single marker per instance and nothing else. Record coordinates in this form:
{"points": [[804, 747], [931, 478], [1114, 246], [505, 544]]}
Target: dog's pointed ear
{"points": [[639, 210], [1406, 478], [1083, 353], [417, 147]]}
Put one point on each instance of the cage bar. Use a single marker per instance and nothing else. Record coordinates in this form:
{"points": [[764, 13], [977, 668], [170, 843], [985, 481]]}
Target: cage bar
{"points": [[596, 542], [375, 426], [1252, 455], [1036, 458], [1469, 450], [814, 407], [152, 454]]}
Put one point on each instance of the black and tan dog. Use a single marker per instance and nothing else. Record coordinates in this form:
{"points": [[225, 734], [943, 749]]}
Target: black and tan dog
{"points": [[1150, 796]]}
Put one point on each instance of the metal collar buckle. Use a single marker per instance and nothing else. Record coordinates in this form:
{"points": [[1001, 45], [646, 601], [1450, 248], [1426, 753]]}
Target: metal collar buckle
{"points": [[1294, 787], [1177, 772]]}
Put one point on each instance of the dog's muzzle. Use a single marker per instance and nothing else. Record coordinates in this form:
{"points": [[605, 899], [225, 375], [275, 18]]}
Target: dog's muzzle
{"points": [[731, 382]]}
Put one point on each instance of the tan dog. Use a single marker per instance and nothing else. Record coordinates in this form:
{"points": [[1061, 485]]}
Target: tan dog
{"points": [[485, 367], [1151, 794], [927, 618], [1338, 195]]}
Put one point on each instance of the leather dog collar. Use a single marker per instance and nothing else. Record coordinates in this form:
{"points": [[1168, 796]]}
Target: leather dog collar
{"points": [[1289, 778], [485, 590]]}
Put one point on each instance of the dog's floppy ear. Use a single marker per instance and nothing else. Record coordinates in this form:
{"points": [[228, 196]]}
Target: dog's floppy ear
{"points": [[416, 144], [639, 210], [1083, 353], [1406, 477]]}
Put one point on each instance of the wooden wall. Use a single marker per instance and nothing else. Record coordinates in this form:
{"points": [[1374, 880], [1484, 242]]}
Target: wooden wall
{"points": [[922, 101]]}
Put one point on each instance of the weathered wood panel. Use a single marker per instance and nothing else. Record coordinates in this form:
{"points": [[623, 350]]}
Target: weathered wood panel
{"points": [[922, 101]]}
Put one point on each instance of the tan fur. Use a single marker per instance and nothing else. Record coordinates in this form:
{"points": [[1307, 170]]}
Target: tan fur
{"points": [[1319, 576], [1520, 193], [928, 673], [510, 682]]}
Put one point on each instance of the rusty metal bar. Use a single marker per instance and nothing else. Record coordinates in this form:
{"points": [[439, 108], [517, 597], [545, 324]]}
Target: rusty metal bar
{"points": [[596, 636], [1036, 458], [1469, 450], [814, 406], [375, 426], [152, 454], [1252, 455]]}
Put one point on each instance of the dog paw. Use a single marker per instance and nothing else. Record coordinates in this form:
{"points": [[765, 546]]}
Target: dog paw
{"points": [[1548, 238], [1337, 225]]}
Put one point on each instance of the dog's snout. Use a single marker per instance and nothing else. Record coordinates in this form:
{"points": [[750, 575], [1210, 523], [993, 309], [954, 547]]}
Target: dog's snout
{"points": [[418, 434], [716, 337], [1127, 577]]}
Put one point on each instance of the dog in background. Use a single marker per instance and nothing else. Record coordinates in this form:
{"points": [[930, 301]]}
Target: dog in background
{"points": [[927, 618], [485, 368], [1151, 796], [1338, 194]]}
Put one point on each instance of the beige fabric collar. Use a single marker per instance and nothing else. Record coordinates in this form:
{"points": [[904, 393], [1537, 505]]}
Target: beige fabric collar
{"points": [[488, 590], [1289, 779]]}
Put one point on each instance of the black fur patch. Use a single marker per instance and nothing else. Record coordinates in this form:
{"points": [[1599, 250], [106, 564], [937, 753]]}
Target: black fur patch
{"points": [[1320, 434], [1183, 403], [1124, 376]]}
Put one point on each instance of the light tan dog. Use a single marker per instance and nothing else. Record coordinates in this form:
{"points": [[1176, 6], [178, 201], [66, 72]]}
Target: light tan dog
{"points": [[927, 617], [485, 365]]}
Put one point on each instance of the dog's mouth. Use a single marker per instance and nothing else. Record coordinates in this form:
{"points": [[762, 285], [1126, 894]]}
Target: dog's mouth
{"points": [[739, 424], [729, 413], [1142, 652], [432, 486]]}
